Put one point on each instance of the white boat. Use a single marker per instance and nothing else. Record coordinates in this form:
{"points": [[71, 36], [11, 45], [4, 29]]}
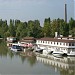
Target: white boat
{"points": [[16, 47], [64, 44], [47, 51], [37, 49], [58, 53], [71, 53]]}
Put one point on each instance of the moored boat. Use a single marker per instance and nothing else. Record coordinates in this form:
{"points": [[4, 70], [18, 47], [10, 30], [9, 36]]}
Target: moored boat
{"points": [[37, 49], [71, 53], [58, 53], [65, 45], [16, 47]]}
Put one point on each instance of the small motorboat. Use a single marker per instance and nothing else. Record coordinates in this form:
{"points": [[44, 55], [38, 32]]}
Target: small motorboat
{"points": [[58, 53], [16, 48], [38, 49]]}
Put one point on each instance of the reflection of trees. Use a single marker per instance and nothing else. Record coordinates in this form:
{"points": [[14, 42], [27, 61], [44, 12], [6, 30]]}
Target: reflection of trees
{"points": [[10, 54], [30, 56], [23, 58], [70, 70], [67, 72], [32, 60], [3, 49]]}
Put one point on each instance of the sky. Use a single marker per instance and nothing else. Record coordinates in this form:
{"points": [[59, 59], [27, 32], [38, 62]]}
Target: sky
{"points": [[26, 10]]}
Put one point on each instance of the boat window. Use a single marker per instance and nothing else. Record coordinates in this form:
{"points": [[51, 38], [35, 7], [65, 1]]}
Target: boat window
{"points": [[18, 47], [66, 44], [63, 43], [69, 44], [60, 43], [48, 42], [72, 44], [57, 43], [43, 41], [14, 46]]}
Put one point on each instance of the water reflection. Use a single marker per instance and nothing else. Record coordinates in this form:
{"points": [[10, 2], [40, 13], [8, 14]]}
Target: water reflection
{"points": [[3, 49], [31, 64], [66, 65], [29, 56]]}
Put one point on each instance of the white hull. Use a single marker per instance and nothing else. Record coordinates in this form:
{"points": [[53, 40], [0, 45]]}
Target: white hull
{"points": [[15, 50], [71, 54], [58, 53]]}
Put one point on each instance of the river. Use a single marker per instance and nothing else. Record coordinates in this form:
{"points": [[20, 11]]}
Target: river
{"points": [[12, 63]]}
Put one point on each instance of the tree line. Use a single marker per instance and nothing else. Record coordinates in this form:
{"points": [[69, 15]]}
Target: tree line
{"points": [[19, 29]]}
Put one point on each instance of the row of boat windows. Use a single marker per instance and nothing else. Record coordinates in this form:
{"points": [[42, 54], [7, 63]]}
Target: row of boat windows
{"points": [[57, 43]]}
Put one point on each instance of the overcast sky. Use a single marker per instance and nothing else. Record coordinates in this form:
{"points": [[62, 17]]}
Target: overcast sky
{"points": [[25, 10]]}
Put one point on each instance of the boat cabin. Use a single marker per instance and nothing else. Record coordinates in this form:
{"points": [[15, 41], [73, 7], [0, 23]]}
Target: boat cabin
{"points": [[27, 41]]}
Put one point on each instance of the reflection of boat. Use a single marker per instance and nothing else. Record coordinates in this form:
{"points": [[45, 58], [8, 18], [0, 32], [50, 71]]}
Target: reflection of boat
{"points": [[27, 53], [64, 63], [16, 48]]}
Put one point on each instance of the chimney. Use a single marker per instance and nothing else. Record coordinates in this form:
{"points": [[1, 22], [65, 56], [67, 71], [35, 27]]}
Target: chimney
{"points": [[56, 34], [66, 13]]}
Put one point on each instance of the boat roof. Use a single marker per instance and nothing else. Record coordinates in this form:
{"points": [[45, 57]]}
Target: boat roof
{"points": [[28, 38], [57, 40]]}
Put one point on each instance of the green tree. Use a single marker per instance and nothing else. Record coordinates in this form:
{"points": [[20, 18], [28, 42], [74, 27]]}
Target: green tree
{"points": [[47, 27], [12, 28], [37, 29], [71, 24], [30, 28], [3, 27], [17, 22], [54, 27], [21, 30]]}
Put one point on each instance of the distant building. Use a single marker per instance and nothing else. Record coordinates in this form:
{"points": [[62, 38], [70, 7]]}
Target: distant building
{"points": [[28, 40], [11, 39]]}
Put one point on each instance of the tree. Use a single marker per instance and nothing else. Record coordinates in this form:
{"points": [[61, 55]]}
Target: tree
{"points": [[30, 28], [21, 30], [12, 28], [47, 27], [71, 24], [3, 27], [54, 27], [64, 28], [72, 32], [37, 29], [17, 22]]}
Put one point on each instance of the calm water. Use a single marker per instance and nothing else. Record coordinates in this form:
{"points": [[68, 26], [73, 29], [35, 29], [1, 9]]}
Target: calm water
{"points": [[14, 63]]}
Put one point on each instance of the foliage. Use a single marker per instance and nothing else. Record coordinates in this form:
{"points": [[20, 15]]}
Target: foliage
{"points": [[19, 29], [47, 27]]}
